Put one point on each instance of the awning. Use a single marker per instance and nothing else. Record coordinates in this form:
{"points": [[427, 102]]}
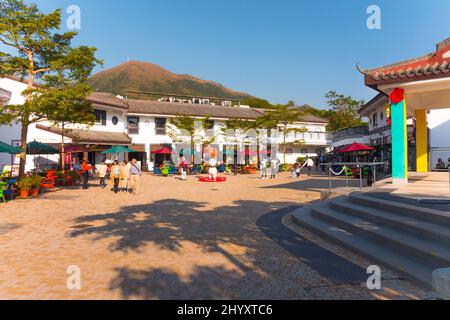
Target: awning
{"points": [[91, 136]]}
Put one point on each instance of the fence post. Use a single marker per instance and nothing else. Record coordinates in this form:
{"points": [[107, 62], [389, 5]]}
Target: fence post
{"points": [[329, 178], [360, 177]]}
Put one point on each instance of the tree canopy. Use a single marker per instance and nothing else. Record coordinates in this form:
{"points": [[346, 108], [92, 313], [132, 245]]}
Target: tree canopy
{"points": [[54, 71]]}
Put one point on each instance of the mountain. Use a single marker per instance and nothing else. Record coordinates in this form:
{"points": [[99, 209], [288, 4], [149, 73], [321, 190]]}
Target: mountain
{"points": [[149, 77]]}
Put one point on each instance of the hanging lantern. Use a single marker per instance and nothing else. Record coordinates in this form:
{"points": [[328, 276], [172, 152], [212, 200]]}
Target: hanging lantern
{"points": [[397, 95]]}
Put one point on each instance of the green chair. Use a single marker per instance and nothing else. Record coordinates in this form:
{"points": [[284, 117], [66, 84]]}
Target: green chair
{"points": [[3, 185]]}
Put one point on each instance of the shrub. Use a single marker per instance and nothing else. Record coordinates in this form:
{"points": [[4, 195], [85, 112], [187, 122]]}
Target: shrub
{"points": [[36, 182], [25, 184]]}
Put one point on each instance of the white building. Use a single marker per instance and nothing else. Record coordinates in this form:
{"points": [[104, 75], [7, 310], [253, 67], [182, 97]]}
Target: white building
{"points": [[380, 132], [142, 125]]}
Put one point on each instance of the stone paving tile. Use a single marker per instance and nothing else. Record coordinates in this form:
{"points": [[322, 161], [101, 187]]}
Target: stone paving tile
{"points": [[175, 240]]}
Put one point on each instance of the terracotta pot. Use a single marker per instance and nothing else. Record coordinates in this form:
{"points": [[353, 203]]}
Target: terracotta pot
{"points": [[35, 192], [24, 193]]}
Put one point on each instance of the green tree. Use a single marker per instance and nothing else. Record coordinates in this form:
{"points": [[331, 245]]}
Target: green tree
{"points": [[257, 103], [42, 55], [282, 118], [69, 107], [344, 111], [194, 129]]}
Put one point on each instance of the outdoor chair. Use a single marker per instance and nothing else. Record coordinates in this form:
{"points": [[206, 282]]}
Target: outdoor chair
{"points": [[2, 188], [10, 189], [49, 183]]}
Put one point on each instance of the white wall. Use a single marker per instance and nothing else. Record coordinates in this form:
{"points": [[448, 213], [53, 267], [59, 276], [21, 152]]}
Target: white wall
{"points": [[9, 133], [439, 124]]}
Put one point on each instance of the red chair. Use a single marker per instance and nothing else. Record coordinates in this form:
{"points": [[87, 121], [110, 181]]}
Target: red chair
{"points": [[49, 182]]}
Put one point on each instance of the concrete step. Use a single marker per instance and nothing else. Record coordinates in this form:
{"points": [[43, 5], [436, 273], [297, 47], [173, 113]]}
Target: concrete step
{"points": [[407, 210], [430, 252], [383, 255], [421, 228]]}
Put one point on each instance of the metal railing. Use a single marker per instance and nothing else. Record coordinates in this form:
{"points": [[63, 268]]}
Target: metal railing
{"points": [[360, 171]]}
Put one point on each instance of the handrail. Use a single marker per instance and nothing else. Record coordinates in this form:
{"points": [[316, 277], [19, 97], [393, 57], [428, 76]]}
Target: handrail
{"points": [[359, 165]]}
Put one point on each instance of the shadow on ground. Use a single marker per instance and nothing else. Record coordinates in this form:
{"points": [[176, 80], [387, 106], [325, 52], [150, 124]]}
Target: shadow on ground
{"points": [[270, 267]]}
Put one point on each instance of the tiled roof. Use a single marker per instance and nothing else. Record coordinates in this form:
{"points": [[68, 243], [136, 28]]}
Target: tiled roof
{"points": [[107, 99], [91, 137], [195, 110], [433, 65]]}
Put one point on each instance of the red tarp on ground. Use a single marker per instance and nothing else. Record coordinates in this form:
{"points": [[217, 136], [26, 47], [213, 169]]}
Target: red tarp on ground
{"points": [[355, 147]]}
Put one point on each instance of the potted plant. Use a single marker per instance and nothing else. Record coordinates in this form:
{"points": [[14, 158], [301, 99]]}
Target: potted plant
{"points": [[36, 185], [25, 185]]}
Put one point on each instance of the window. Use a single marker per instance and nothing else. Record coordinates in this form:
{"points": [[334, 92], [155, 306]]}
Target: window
{"points": [[304, 151], [115, 120], [381, 115], [160, 126], [100, 117], [133, 125], [375, 119]]}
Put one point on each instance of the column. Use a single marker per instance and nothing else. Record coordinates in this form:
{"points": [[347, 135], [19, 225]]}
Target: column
{"points": [[421, 140], [399, 143]]}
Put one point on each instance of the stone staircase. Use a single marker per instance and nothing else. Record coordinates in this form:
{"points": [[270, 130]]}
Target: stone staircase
{"points": [[411, 240]]}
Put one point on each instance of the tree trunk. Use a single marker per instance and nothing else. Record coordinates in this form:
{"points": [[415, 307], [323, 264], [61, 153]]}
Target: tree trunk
{"points": [[62, 160], [25, 118], [23, 147], [192, 151]]}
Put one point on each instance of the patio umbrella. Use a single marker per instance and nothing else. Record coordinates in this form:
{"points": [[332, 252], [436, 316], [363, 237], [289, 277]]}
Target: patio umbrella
{"points": [[118, 149], [354, 147], [35, 147], [40, 148], [163, 150], [6, 148]]}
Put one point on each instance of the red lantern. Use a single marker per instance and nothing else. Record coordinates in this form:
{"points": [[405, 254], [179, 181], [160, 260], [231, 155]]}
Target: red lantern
{"points": [[397, 95]]}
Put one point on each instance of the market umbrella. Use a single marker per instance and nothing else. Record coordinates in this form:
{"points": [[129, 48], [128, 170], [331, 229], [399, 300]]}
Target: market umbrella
{"points": [[118, 149], [163, 150], [354, 147], [40, 148], [6, 148], [35, 147]]}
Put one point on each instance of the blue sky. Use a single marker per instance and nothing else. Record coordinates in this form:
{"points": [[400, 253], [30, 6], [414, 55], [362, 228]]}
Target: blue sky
{"points": [[277, 50]]}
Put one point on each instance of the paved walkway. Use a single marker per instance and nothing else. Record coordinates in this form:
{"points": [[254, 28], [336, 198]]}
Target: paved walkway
{"points": [[177, 240]]}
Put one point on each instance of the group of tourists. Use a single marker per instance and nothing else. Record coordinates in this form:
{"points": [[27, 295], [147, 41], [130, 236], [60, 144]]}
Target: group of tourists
{"points": [[124, 177]]}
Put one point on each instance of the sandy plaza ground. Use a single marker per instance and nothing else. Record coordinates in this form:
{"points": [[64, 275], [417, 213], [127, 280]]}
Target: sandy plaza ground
{"points": [[178, 240]]}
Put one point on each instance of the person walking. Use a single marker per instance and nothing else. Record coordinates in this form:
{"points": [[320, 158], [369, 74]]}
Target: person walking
{"points": [[102, 170], [124, 176], [115, 175], [183, 167], [309, 164], [263, 167], [85, 168], [135, 174], [274, 167]]}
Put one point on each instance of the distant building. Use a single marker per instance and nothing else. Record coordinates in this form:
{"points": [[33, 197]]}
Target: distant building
{"points": [[344, 137], [142, 125]]}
